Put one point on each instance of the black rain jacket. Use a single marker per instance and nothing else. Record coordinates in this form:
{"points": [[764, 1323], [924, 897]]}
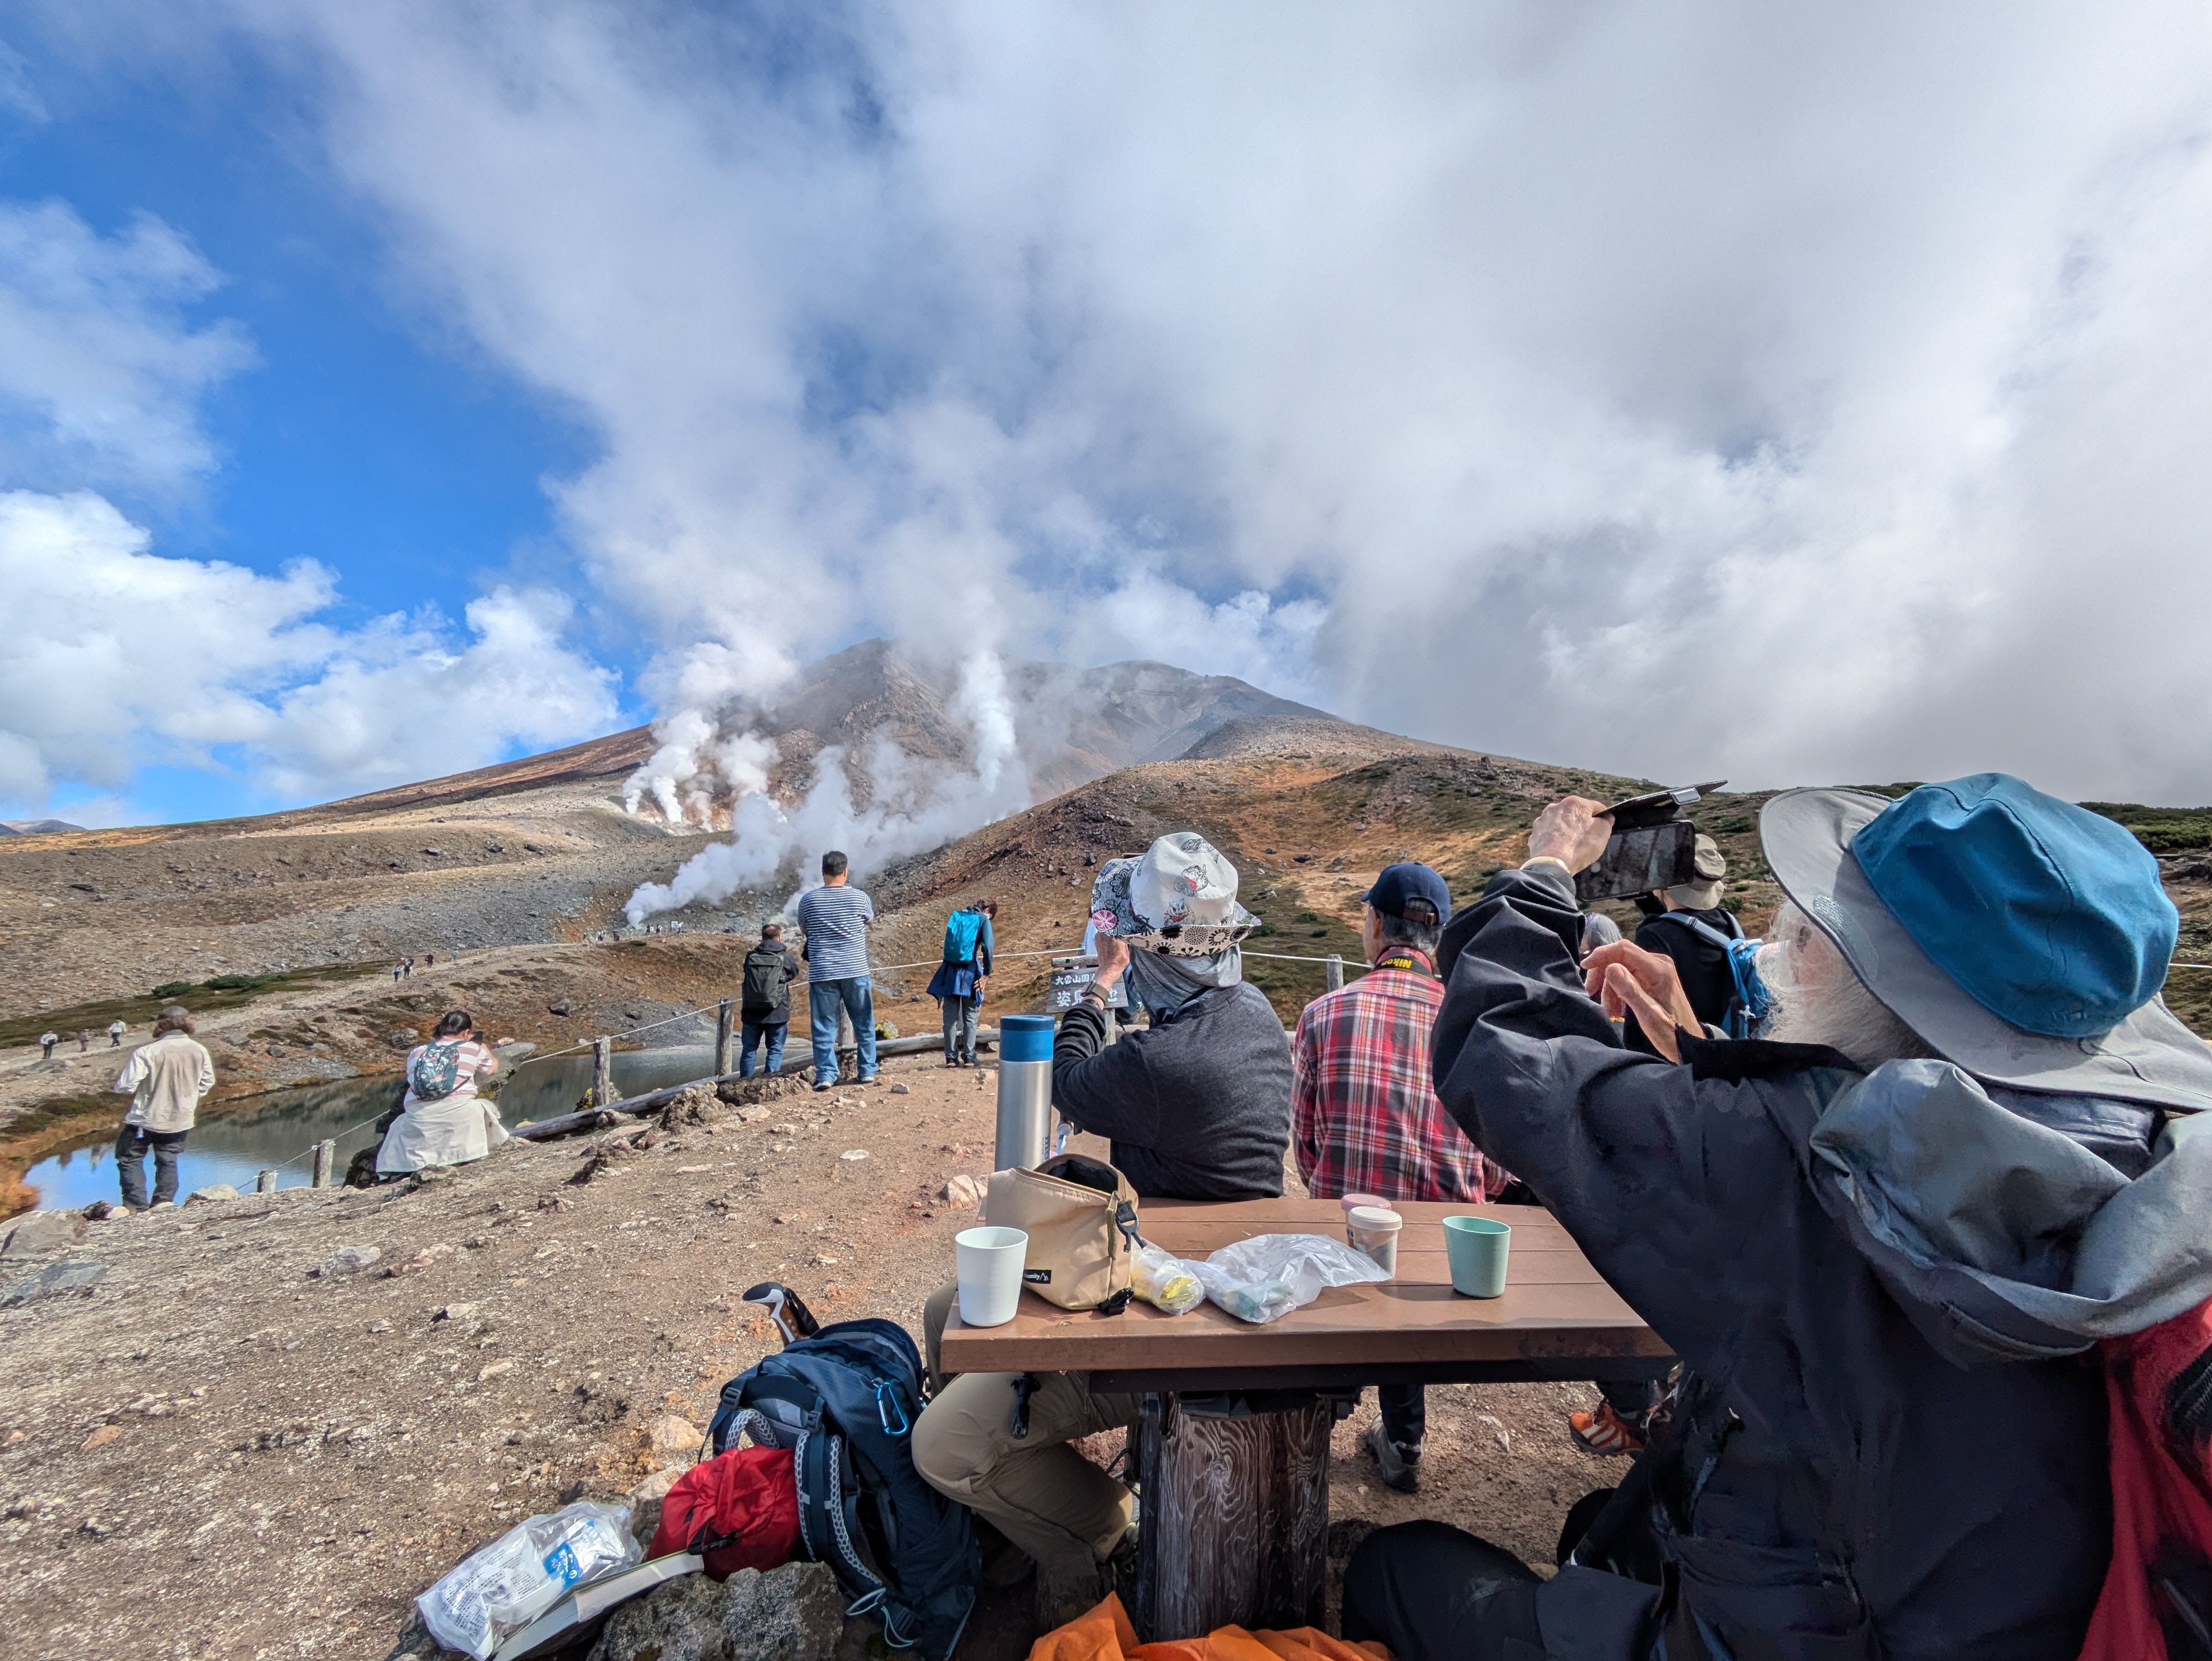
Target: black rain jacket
{"points": [[1885, 1290]]}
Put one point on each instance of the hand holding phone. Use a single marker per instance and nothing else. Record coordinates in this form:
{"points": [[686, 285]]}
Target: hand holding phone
{"points": [[1573, 831], [1651, 846]]}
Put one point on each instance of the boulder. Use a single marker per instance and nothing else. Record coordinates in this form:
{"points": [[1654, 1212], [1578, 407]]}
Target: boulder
{"points": [[212, 1192], [795, 1613], [350, 1260], [675, 1437], [559, 1007], [70, 1275], [961, 1192], [42, 1233], [645, 1502]]}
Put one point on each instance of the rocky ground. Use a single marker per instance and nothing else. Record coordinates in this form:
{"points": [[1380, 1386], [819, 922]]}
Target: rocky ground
{"points": [[229, 1447]]}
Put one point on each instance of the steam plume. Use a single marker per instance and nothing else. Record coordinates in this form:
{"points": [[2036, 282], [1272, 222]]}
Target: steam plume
{"points": [[916, 803]]}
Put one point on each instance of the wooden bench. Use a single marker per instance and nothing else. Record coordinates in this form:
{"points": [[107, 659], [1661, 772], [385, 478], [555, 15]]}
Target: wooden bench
{"points": [[1235, 1488]]}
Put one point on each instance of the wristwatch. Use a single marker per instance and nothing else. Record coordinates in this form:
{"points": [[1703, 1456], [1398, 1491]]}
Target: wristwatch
{"points": [[1097, 995]]}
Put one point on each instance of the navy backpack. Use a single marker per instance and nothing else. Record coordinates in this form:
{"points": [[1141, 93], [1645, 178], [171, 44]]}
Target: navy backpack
{"points": [[844, 1402]]}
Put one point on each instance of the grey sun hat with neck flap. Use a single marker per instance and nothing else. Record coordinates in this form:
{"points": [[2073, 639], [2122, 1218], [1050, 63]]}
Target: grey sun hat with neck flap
{"points": [[2036, 908]]}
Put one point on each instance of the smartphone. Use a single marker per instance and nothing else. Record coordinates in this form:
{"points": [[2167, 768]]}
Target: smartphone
{"points": [[1652, 847]]}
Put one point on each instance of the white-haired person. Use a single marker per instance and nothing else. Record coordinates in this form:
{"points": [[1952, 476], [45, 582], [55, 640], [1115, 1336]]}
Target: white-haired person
{"points": [[1196, 1104], [1885, 1241]]}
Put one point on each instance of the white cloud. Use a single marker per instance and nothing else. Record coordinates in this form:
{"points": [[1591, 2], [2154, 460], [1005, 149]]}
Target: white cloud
{"points": [[18, 97], [136, 657], [101, 374], [1700, 385]]}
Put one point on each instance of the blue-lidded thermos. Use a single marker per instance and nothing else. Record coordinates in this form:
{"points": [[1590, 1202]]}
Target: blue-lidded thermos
{"points": [[1024, 1091]]}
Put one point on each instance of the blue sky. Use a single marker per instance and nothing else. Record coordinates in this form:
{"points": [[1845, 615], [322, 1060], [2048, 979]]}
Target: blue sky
{"points": [[1672, 387]]}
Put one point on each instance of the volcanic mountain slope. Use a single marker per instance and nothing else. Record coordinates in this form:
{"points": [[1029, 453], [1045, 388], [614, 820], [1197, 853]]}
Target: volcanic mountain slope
{"points": [[531, 852], [1070, 724]]}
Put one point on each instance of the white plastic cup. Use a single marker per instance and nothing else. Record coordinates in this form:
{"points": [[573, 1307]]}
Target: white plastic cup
{"points": [[1374, 1231], [990, 1262]]}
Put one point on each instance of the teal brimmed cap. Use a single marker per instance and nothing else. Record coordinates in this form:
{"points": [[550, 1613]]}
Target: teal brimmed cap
{"points": [[2045, 914], [2023, 937]]}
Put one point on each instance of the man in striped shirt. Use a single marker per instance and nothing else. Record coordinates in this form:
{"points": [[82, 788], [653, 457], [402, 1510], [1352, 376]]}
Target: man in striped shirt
{"points": [[1364, 1117], [835, 919]]}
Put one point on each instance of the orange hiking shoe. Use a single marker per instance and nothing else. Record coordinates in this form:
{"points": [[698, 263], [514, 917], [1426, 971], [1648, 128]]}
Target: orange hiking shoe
{"points": [[1606, 1431]]}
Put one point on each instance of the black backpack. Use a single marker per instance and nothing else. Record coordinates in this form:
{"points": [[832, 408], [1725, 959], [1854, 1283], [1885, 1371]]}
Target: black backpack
{"points": [[844, 1402], [764, 981]]}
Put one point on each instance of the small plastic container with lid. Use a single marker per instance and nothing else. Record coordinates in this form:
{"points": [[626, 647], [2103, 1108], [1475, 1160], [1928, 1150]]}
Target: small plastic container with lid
{"points": [[1374, 1231], [1352, 1202]]}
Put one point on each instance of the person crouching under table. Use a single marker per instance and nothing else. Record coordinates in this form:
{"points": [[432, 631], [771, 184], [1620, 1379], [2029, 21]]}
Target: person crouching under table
{"points": [[1884, 1241], [1196, 1105]]}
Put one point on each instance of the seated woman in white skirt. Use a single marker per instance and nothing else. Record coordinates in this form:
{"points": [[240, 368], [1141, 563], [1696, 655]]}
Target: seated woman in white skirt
{"points": [[442, 1120]]}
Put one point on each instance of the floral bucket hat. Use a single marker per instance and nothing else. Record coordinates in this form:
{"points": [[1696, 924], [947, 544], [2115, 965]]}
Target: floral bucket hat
{"points": [[1178, 896]]}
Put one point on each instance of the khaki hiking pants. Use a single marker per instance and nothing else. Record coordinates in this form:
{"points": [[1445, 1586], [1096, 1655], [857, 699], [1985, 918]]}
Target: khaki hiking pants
{"points": [[1040, 1493]]}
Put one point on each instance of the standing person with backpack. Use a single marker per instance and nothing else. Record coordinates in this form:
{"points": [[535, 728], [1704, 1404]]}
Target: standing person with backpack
{"points": [[1688, 923], [442, 1120], [957, 985], [765, 1007]]}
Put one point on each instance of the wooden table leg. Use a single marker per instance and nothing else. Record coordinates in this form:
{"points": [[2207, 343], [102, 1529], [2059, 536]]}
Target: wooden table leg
{"points": [[1234, 1517]]}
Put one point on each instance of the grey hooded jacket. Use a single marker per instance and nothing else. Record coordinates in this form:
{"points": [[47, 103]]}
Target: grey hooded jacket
{"points": [[1891, 1440]]}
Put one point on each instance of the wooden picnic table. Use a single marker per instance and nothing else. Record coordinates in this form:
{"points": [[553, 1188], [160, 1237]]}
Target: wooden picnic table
{"points": [[1235, 1483]]}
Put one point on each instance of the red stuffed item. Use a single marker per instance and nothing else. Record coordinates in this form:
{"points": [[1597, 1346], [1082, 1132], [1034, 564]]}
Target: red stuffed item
{"points": [[2160, 1586], [740, 1509]]}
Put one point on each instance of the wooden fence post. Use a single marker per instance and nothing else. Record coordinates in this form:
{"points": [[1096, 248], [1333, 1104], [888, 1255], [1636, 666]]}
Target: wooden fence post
{"points": [[324, 1151], [265, 1182], [603, 1072], [725, 1020], [1334, 970]]}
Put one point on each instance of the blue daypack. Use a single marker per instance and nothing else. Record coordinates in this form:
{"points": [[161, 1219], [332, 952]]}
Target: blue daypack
{"points": [[961, 930], [844, 1402], [1751, 1003]]}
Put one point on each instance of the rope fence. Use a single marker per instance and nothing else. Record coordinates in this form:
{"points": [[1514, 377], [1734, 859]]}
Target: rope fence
{"points": [[713, 1008]]}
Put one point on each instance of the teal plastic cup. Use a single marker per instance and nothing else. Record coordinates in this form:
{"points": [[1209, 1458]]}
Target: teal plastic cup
{"points": [[1476, 1248]]}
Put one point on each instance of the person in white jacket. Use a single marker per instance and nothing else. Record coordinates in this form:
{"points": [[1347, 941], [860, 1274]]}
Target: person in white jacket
{"points": [[165, 1081]]}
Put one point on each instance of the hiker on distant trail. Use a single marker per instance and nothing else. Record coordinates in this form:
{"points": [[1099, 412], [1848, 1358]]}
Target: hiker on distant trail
{"points": [[429, 960], [835, 919], [398, 969], [116, 1029], [1198, 1106], [1364, 1112], [1890, 1244], [47, 1043], [84, 1041], [957, 985], [442, 1120], [166, 1080], [765, 1008]]}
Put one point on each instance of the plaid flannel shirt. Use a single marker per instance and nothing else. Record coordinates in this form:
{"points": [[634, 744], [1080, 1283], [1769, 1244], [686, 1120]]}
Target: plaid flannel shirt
{"points": [[1364, 1117]]}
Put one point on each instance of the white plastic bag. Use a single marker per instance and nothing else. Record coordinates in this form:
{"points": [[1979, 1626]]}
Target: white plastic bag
{"points": [[1265, 1277], [502, 1587], [1164, 1280]]}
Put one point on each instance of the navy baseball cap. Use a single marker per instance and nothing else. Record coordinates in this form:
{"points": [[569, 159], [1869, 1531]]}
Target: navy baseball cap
{"points": [[1409, 880]]}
